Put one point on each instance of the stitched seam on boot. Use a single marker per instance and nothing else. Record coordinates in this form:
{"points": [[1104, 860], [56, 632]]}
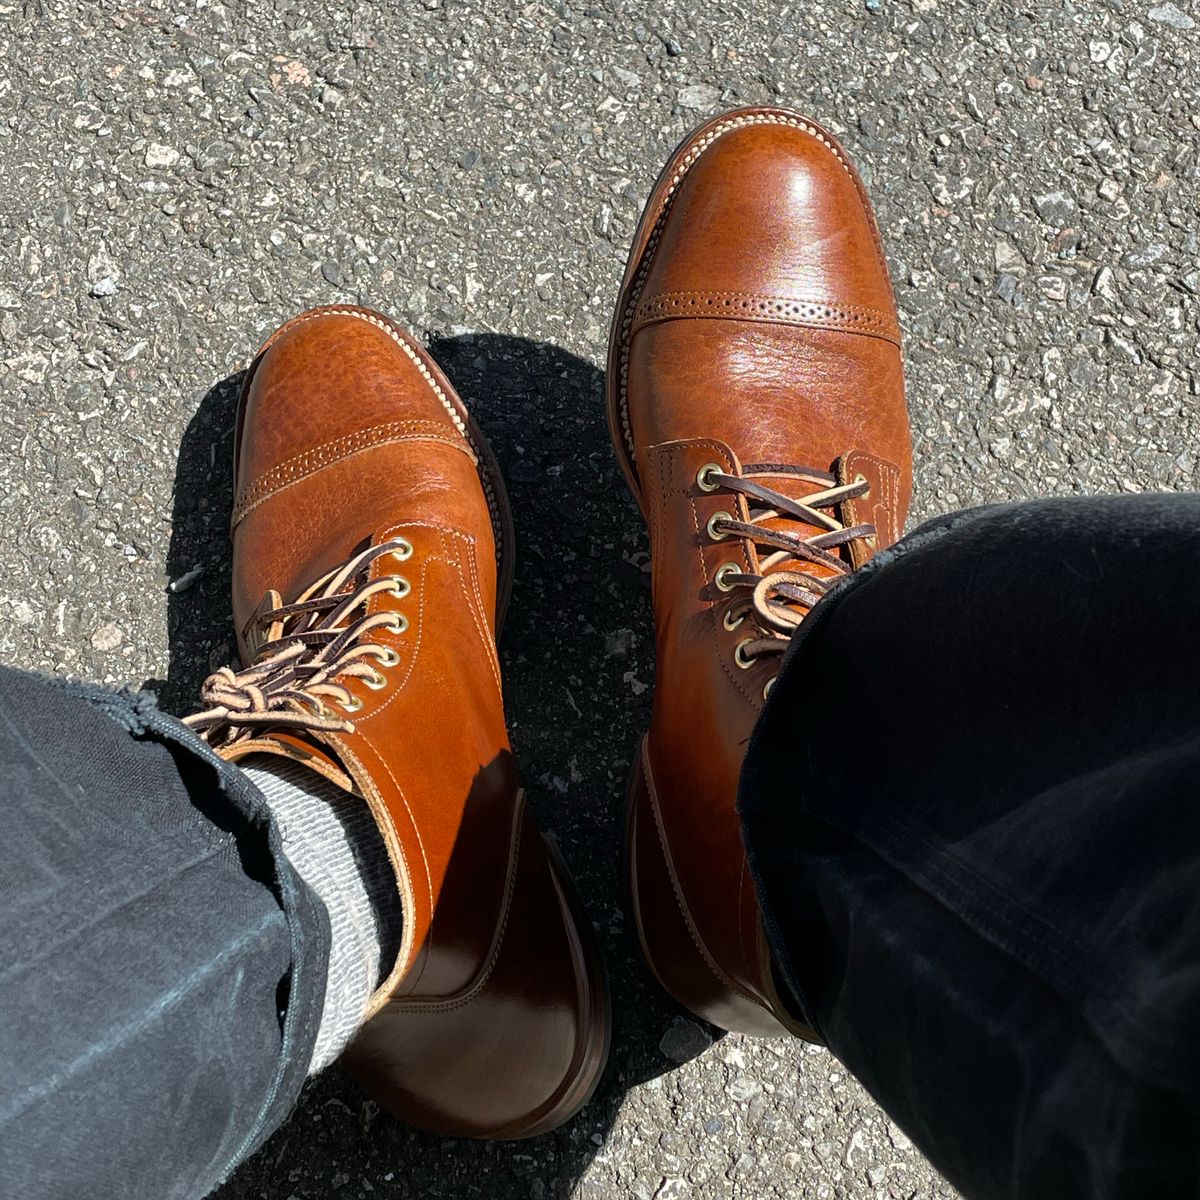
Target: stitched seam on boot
{"points": [[677, 888], [472, 991], [377, 321], [312, 462], [782, 310], [476, 608]]}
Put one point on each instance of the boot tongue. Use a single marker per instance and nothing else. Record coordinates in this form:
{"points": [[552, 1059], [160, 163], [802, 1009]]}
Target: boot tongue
{"points": [[789, 525], [255, 634], [258, 633]]}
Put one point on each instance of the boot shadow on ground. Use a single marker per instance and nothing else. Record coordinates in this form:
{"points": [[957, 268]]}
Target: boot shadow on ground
{"points": [[577, 649]]}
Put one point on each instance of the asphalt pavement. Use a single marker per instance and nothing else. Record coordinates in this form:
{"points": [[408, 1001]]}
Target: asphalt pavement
{"points": [[177, 178]]}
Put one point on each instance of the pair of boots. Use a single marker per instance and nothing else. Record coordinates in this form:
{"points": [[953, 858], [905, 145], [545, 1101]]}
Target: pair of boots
{"points": [[756, 402]]}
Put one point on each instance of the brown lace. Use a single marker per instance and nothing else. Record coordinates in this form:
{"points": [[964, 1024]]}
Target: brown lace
{"points": [[317, 642], [783, 592]]}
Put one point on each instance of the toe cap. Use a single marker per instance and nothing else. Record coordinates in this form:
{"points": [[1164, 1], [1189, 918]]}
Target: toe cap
{"points": [[770, 221], [330, 375]]}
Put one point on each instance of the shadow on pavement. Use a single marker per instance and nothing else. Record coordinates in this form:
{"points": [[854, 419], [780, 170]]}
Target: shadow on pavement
{"points": [[199, 623], [578, 656]]}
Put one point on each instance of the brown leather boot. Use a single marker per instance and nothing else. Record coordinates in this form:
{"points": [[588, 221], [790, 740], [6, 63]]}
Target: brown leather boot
{"points": [[756, 399], [372, 557]]}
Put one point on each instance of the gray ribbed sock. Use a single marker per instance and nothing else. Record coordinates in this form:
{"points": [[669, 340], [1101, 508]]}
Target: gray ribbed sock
{"points": [[331, 840]]}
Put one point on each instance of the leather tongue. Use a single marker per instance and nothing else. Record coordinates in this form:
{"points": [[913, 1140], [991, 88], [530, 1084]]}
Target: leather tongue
{"points": [[786, 523], [255, 634]]}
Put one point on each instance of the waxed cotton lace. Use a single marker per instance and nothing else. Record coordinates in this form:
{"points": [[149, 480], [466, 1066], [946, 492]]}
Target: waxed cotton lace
{"points": [[784, 590], [318, 642]]}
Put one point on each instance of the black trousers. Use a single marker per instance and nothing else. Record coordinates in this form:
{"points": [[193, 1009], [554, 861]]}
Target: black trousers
{"points": [[162, 968], [971, 808]]}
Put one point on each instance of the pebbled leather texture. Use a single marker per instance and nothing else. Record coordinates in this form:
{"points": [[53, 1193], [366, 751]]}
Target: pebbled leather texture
{"points": [[494, 1021], [755, 325]]}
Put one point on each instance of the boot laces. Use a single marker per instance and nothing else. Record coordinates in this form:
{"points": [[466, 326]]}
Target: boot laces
{"points": [[786, 588], [314, 645]]}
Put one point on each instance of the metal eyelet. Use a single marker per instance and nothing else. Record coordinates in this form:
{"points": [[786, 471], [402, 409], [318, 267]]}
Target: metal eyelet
{"points": [[713, 532], [704, 477], [353, 704], [400, 587], [397, 623], [769, 685], [403, 550], [730, 624], [722, 575], [375, 681], [389, 658], [861, 478], [739, 654]]}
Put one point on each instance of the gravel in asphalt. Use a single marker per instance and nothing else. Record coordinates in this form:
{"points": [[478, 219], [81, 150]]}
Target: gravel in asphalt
{"points": [[177, 178]]}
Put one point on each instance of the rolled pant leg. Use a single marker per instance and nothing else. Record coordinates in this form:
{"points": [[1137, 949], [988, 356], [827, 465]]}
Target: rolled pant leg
{"points": [[972, 808], [161, 967]]}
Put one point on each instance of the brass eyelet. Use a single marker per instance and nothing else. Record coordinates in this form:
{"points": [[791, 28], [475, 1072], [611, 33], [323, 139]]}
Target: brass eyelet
{"points": [[704, 477], [397, 623], [389, 658], [403, 550], [400, 587], [713, 532], [353, 704], [861, 478], [375, 681], [768, 686], [722, 576], [739, 654], [729, 624]]}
